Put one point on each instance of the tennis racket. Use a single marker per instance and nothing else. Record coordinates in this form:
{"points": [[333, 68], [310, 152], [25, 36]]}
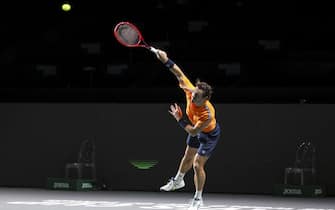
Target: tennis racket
{"points": [[129, 35]]}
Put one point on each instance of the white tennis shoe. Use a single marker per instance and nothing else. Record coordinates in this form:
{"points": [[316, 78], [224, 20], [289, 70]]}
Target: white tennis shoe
{"points": [[195, 204], [173, 185]]}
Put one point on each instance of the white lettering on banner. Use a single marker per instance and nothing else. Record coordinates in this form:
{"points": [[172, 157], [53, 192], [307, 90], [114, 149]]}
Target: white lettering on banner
{"points": [[318, 191], [61, 185], [86, 185], [289, 191]]}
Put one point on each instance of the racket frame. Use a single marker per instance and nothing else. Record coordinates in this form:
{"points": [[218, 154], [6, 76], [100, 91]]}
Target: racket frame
{"points": [[141, 42]]}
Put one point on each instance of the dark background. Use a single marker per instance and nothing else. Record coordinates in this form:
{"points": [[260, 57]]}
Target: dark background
{"points": [[258, 142], [63, 75], [264, 51]]}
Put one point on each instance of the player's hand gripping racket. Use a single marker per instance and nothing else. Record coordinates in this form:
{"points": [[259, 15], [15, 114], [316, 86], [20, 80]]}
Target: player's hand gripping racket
{"points": [[130, 36]]}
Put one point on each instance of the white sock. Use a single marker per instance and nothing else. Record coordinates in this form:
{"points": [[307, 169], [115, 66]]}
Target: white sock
{"points": [[198, 194], [179, 176]]}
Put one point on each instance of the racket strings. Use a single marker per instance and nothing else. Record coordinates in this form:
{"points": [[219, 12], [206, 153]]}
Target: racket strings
{"points": [[128, 35]]}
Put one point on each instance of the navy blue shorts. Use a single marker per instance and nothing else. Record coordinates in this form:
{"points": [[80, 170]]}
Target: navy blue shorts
{"points": [[205, 142]]}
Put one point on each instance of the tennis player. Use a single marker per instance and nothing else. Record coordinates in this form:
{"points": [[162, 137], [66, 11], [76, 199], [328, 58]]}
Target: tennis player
{"points": [[201, 126]]}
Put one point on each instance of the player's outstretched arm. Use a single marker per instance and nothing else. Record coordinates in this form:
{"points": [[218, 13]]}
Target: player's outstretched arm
{"points": [[174, 68]]}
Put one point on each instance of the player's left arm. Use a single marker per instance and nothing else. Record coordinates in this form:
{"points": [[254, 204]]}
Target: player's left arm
{"points": [[203, 122], [198, 127]]}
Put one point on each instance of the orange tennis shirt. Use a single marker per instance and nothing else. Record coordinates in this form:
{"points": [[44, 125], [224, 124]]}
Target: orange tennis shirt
{"points": [[197, 114]]}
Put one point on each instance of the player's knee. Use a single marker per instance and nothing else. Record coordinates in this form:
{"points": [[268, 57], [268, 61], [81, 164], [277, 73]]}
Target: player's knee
{"points": [[197, 166]]}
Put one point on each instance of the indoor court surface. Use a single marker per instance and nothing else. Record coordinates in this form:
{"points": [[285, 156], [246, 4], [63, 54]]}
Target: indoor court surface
{"points": [[37, 199]]}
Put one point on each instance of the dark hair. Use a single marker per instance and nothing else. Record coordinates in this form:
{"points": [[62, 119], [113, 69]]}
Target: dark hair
{"points": [[206, 88]]}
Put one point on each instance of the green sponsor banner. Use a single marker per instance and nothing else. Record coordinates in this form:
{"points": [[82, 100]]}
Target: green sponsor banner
{"points": [[70, 184]]}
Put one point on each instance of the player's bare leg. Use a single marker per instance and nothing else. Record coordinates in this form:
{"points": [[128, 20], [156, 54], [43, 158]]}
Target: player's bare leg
{"points": [[188, 159], [185, 165], [199, 180]]}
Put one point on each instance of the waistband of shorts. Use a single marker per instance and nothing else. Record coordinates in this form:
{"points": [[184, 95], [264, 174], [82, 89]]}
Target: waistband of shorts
{"points": [[217, 126]]}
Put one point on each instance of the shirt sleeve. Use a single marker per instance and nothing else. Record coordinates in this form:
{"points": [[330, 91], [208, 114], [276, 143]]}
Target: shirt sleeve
{"points": [[186, 84]]}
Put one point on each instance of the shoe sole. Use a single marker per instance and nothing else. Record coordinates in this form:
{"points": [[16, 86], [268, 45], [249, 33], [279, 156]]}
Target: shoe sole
{"points": [[171, 190]]}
